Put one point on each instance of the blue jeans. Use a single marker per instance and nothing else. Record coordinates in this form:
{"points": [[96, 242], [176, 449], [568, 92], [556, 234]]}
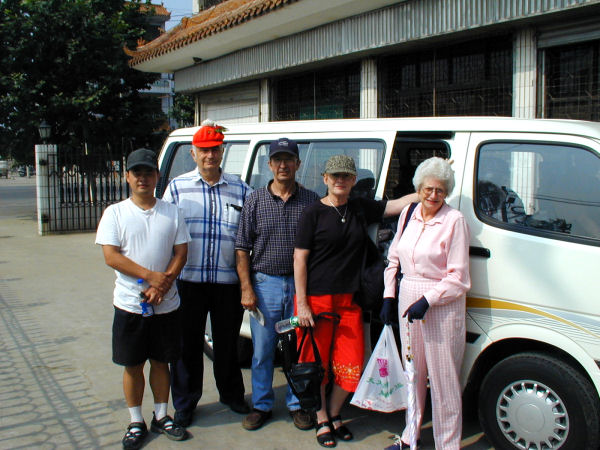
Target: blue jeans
{"points": [[276, 301]]}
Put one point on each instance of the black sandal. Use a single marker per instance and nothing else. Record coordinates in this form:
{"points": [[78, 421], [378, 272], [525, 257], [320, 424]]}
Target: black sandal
{"points": [[135, 435], [325, 439], [342, 431]]}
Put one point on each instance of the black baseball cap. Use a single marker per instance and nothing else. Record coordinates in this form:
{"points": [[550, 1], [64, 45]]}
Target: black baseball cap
{"points": [[142, 157], [283, 145]]}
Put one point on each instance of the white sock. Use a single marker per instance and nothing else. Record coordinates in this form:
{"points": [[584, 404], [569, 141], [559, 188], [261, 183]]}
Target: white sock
{"points": [[160, 410], [136, 414]]}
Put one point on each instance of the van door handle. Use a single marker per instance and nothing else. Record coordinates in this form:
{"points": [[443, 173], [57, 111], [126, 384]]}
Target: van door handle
{"points": [[480, 251]]}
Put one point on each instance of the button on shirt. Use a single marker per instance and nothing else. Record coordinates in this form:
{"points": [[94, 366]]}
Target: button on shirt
{"points": [[268, 229], [212, 216]]}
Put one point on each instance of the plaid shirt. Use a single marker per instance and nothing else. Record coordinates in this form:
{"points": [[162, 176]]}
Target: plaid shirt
{"points": [[268, 229], [212, 216]]}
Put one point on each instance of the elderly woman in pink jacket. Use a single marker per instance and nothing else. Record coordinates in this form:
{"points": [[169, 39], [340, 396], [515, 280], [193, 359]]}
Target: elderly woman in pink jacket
{"points": [[433, 255]]}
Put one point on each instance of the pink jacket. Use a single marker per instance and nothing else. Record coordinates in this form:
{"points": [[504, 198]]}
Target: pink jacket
{"points": [[436, 250]]}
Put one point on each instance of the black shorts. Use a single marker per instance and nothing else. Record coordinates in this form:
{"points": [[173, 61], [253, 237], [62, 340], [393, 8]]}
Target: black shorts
{"points": [[136, 338]]}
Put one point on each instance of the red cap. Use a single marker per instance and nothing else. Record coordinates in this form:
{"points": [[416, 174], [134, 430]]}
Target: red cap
{"points": [[209, 135]]}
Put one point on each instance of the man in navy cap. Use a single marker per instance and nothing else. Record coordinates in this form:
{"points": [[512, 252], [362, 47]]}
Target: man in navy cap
{"points": [[264, 253]]}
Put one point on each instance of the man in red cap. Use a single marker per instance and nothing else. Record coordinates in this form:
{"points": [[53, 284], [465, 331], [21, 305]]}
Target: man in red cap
{"points": [[211, 201]]}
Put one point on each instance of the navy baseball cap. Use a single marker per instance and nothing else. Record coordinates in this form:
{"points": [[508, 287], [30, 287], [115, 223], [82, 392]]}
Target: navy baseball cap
{"points": [[283, 145], [142, 157]]}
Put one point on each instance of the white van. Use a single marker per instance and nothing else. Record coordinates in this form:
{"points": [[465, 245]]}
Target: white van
{"points": [[530, 191]]}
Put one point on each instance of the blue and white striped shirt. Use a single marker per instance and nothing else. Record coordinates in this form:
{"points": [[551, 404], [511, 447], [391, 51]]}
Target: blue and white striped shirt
{"points": [[212, 215]]}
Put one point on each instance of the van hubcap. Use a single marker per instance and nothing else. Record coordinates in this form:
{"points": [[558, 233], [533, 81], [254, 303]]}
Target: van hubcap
{"points": [[532, 416]]}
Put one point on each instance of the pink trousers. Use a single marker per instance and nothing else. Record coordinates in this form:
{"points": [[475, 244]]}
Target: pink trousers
{"points": [[437, 345]]}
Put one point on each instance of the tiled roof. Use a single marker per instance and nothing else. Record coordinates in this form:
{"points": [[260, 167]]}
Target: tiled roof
{"points": [[206, 23]]}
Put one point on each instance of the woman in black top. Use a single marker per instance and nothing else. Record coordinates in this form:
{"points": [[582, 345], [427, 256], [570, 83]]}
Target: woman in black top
{"points": [[330, 242]]}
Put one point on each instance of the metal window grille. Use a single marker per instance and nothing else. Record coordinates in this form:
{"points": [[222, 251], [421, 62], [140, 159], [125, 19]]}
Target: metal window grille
{"points": [[473, 78], [328, 94], [569, 85]]}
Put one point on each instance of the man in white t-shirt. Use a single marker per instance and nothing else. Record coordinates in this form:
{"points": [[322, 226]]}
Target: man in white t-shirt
{"points": [[145, 240]]}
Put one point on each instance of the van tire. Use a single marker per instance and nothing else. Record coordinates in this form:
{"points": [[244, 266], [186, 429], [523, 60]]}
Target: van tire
{"points": [[244, 349], [514, 398]]}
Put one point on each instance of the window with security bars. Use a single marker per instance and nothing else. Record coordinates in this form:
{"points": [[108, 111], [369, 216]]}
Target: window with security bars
{"points": [[326, 94], [569, 85], [470, 79]]}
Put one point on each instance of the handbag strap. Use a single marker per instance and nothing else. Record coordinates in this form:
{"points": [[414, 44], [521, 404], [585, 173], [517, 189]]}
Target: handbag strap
{"points": [[335, 318], [409, 214], [309, 331]]}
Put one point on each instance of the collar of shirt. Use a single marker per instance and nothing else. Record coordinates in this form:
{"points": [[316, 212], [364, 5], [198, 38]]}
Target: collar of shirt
{"points": [[198, 178], [438, 218], [275, 196]]}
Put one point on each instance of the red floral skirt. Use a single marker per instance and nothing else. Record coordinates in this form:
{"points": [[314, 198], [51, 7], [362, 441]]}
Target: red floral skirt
{"points": [[347, 351]]}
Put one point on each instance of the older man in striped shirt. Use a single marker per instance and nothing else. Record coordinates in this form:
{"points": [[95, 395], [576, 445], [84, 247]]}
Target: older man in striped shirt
{"points": [[211, 201]]}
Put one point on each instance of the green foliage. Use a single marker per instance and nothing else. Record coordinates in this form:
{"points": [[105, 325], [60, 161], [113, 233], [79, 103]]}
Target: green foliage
{"points": [[183, 110], [63, 61]]}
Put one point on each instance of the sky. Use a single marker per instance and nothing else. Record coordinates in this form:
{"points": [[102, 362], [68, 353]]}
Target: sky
{"points": [[178, 10]]}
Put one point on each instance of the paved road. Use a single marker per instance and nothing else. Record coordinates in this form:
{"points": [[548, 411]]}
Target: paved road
{"points": [[17, 198], [58, 386]]}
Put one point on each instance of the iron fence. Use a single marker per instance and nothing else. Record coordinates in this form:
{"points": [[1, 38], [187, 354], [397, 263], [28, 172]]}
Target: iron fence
{"points": [[81, 186]]}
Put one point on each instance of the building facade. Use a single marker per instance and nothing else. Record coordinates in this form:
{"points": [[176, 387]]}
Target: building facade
{"points": [[270, 60], [162, 89]]}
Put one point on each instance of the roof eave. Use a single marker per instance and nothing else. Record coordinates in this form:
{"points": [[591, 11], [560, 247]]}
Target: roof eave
{"points": [[293, 18]]}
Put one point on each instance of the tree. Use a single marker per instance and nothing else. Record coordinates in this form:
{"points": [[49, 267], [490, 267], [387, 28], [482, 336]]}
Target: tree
{"points": [[183, 110], [63, 62]]}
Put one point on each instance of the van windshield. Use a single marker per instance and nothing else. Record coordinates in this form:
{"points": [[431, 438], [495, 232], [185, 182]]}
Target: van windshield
{"points": [[368, 156]]}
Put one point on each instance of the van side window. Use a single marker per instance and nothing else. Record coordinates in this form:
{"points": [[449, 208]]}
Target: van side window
{"points": [[541, 187], [261, 174], [406, 156], [182, 162], [368, 156]]}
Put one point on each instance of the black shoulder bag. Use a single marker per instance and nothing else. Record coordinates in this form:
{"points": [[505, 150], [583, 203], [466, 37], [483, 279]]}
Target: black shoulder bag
{"points": [[370, 293], [304, 378]]}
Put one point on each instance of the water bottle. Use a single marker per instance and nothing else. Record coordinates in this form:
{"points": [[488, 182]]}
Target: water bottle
{"points": [[283, 326], [147, 310]]}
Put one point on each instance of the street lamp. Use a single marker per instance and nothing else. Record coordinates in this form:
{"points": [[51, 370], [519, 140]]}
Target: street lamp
{"points": [[45, 130]]}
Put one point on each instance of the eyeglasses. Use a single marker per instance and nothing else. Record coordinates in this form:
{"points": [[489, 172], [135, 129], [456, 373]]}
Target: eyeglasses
{"points": [[276, 160], [343, 175], [428, 190]]}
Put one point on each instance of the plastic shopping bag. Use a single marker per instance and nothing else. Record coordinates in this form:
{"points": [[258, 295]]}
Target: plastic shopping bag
{"points": [[383, 385]]}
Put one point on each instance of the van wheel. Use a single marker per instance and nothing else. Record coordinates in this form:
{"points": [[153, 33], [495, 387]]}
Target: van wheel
{"points": [[532, 400], [244, 348]]}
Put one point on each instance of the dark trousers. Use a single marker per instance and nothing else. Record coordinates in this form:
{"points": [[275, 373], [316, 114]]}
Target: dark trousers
{"points": [[222, 301]]}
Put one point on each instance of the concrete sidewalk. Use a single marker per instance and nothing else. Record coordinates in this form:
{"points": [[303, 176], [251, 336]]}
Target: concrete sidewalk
{"points": [[58, 386]]}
